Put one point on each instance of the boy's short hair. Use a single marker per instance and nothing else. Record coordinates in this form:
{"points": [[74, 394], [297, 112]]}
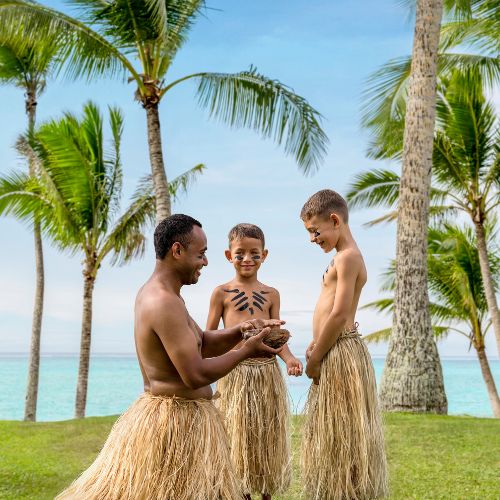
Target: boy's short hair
{"points": [[323, 203], [174, 229], [245, 230]]}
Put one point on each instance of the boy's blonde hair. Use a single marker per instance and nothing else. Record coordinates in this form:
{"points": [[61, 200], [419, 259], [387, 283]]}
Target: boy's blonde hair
{"points": [[323, 203], [245, 230]]}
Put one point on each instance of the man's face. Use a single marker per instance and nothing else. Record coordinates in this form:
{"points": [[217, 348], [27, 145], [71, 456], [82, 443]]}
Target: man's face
{"points": [[324, 231], [193, 258], [246, 255]]}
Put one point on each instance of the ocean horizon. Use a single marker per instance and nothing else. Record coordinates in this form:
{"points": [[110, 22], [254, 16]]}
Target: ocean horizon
{"points": [[115, 382]]}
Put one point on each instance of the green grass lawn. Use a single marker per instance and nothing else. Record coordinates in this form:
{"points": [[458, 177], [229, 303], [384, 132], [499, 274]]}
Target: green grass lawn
{"points": [[430, 457]]}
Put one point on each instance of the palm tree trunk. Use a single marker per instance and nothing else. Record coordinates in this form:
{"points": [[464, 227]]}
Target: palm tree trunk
{"points": [[162, 193], [489, 288], [489, 381], [83, 368], [36, 325], [412, 379]]}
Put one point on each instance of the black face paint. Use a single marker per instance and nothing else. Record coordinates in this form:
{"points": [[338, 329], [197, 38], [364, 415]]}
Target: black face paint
{"points": [[316, 234], [256, 257], [238, 257]]}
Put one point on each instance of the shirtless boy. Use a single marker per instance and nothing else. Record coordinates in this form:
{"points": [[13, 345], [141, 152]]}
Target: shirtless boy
{"points": [[253, 396], [171, 442], [343, 448]]}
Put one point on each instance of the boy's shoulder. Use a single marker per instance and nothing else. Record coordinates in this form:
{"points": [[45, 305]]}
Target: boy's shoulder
{"points": [[267, 289], [348, 256]]}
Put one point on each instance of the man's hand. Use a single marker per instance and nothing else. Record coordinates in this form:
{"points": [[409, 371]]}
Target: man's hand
{"points": [[257, 324], [255, 347], [313, 369], [309, 349], [294, 366]]}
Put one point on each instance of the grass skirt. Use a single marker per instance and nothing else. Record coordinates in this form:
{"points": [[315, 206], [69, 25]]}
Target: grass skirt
{"points": [[343, 453], [254, 402], [166, 448]]}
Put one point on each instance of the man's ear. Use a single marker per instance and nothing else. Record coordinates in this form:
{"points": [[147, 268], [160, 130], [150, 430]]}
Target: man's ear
{"points": [[335, 219], [227, 253], [176, 250], [264, 255]]}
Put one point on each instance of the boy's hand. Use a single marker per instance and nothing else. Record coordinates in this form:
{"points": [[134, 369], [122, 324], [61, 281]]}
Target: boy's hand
{"points": [[256, 324], [309, 349], [294, 366], [313, 369], [255, 347]]}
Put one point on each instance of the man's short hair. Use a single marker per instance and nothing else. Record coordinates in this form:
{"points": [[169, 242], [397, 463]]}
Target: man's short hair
{"points": [[323, 203], [246, 231], [174, 229]]}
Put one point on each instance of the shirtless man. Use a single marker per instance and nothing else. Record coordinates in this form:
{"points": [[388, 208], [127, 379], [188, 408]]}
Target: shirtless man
{"points": [[171, 443], [343, 418]]}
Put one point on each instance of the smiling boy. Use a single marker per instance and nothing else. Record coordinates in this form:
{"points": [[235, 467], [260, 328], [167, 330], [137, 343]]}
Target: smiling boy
{"points": [[253, 397], [343, 447]]}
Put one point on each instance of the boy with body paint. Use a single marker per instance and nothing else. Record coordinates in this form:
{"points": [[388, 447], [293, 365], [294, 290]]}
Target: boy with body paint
{"points": [[343, 444], [254, 399]]}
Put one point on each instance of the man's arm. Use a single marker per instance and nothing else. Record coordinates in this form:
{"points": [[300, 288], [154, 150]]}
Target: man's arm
{"points": [[347, 273], [171, 326]]}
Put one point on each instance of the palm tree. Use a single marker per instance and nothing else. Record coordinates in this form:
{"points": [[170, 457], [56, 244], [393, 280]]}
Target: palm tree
{"points": [[28, 68], [412, 379], [466, 170], [111, 37], [458, 294], [76, 198]]}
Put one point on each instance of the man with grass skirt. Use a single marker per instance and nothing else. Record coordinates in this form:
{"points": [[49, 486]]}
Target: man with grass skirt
{"points": [[171, 444]]}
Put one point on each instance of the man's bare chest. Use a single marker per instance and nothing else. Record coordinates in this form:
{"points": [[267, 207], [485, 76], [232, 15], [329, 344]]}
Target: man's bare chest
{"points": [[247, 301]]}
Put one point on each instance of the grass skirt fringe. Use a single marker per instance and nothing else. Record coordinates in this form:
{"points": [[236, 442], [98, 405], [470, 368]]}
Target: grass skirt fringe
{"points": [[164, 448], [254, 402], [343, 453]]}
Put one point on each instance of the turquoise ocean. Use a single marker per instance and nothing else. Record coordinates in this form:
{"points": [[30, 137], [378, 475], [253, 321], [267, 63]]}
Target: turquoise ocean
{"points": [[115, 382]]}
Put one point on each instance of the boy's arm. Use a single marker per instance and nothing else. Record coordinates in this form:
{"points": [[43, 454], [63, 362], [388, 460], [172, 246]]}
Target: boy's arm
{"points": [[216, 310], [293, 365], [171, 326], [347, 273]]}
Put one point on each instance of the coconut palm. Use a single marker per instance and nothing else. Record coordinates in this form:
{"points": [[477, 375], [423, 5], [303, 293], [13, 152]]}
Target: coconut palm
{"points": [[466, 170], [412, 379], [76, 198], [140, 40], [457, 292], [28, 68]]}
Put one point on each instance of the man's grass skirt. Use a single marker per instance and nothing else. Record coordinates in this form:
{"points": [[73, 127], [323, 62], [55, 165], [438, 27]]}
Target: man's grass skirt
{"points": [[254, 402], [165, 448], [343, 453]]}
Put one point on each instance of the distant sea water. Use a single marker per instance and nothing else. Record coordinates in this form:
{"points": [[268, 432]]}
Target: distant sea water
{"points": [[116, 381]]}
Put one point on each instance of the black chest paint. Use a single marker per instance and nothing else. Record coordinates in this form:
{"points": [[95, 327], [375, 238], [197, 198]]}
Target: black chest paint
{"points": [[242, 302]]}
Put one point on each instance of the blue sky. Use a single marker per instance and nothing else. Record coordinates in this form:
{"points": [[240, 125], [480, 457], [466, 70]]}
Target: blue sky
{"points": [[324, 50]]}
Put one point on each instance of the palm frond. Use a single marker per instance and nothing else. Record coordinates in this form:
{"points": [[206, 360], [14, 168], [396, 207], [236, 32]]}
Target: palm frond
{"points": [[126, 240], [378, 336], [183, 182], [374, 188], [249, 99], [85, 51]]}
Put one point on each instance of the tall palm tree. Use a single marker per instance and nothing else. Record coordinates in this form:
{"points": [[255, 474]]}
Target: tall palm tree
{"points": [[76, 198], [457, 292], [140, 39], [466, 169], [28, 68], [412, 379]]}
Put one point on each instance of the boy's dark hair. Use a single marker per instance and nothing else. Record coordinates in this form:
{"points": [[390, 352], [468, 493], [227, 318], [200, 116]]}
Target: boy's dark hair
{"points": [[176, 228], [246, 231], [323, 203]]}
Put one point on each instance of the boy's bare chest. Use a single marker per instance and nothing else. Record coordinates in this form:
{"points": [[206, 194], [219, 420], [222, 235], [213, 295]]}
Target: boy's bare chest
{"points": [[329, 280], [247, 301]]}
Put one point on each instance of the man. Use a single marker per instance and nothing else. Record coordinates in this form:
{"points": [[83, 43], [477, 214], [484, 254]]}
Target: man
{"points": [[171, 443]]}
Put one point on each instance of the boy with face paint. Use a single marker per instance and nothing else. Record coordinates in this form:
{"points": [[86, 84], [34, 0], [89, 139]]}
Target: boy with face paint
{"points": [[343, 444], [254, 398]]}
